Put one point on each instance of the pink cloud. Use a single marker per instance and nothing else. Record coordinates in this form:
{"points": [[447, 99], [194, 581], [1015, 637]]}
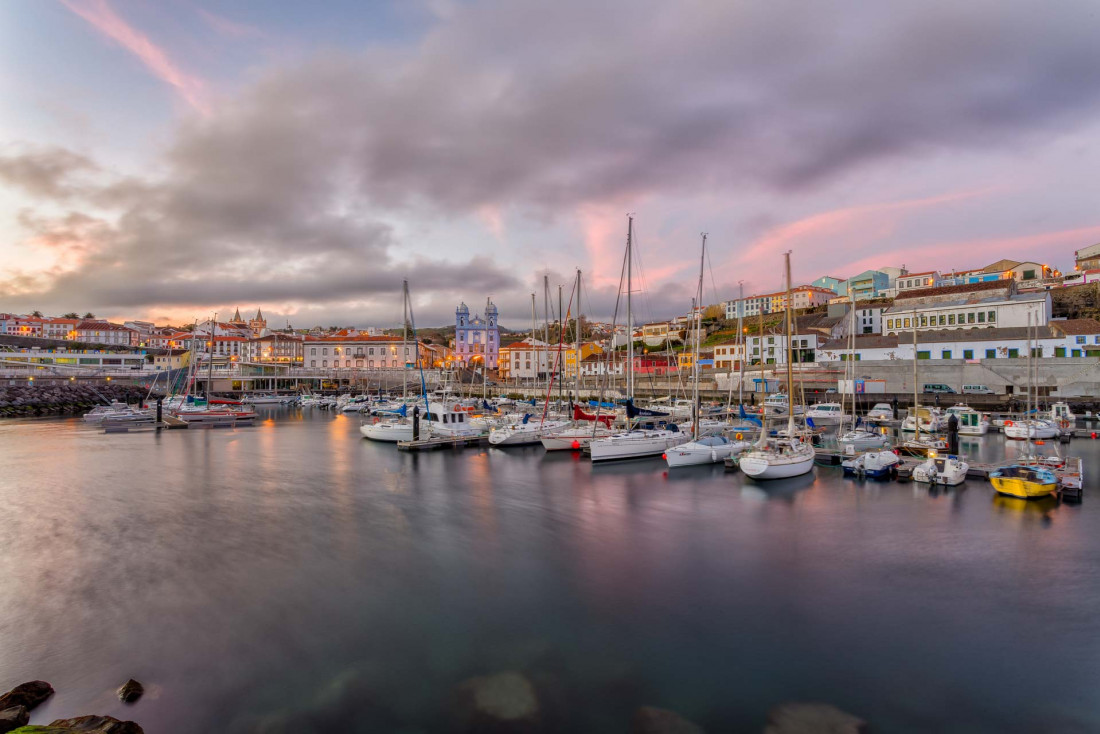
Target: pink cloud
{"points": [[104, 19], [228, 27]]}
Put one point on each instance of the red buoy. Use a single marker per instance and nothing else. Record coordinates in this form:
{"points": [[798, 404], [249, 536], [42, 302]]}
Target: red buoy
{"points": [[576, 444], [664, 456]]}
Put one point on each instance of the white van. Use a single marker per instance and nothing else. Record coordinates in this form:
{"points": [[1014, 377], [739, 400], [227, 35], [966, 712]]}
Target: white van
{"points": [[978, 390]]}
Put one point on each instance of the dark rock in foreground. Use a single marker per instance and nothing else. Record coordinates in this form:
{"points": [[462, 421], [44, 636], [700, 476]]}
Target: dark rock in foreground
{"points": [[504, 703], [812, 718], [130, 691], [13, 718], [26, 694], [650, 720], [84, 725]]}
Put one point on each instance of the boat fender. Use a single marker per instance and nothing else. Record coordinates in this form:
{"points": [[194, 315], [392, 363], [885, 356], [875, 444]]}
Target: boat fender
{"points": [[739, 436], [1008, 424], [713, 455]]}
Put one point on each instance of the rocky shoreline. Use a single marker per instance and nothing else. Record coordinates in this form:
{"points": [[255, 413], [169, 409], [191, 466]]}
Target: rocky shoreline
{"points": [[27, 399], [16, 705]]}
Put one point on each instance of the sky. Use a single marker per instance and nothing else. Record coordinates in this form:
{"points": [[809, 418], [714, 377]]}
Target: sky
{"points": [[167, 159]]}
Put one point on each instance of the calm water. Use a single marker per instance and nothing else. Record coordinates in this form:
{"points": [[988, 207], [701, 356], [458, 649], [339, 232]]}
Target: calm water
{"points": [[292, 571]]}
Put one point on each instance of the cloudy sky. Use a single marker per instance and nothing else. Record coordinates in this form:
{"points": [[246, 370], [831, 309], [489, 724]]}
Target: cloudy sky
{"points": [[169, 158]]}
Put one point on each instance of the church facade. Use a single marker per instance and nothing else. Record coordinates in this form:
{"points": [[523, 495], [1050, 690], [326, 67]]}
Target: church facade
{"points": [[477, 338]]}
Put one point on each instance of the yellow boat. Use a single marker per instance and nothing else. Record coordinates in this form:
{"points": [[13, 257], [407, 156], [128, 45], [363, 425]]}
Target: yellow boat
{"points": [[1023, 482]]}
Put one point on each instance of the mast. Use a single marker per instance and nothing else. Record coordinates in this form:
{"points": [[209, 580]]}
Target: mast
{"points": [[741, 337], [546, 326], [790, 397], [405, 340], [697, 303], [629, 310], [210, 359], [577, 358], [561, 338], [534, 352], [1027, 404], [916, 404], [485, 356], [850, 371]]}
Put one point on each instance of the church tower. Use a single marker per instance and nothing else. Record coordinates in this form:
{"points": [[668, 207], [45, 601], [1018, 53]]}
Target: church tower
{"points": [[258, 324], [477, 339]]}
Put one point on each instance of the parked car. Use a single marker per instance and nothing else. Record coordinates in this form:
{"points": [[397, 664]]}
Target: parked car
{"points": [[938, 387], [978, 390]]}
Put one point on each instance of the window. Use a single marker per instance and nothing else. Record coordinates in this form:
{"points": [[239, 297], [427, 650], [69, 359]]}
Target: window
{"points": [[924, 355], [1079, 340], [889, 323], [991, 354], [313, 351], [1013, 353], [970, 318], [943, 320], [325, 352], [324, 363], [1076, 352], [968, 354], [907, 323], [951, 320], [945, 354], [991, 317], [1029, 275], [981, 317], [924, 321]]}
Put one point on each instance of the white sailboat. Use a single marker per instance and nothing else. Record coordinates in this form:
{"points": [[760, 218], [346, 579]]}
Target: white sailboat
{"points": [[636, 443], [857, 438], [399, 428], [781, 458], [920, 418]]}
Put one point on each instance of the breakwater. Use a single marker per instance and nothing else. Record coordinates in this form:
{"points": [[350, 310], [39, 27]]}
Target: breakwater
{"points": [[26, 399]]}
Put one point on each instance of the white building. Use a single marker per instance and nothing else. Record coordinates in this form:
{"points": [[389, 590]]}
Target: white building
{"points": [[613, 364], [917, 281], [772, 348], [103, 332], [969, 312], [728, 356], [530, 359], [358, 352]]}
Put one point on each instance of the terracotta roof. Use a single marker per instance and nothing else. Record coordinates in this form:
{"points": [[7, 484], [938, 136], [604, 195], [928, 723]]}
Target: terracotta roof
{"points": [[987, 285], [359, 338], [101, 326], [1073, 327]]}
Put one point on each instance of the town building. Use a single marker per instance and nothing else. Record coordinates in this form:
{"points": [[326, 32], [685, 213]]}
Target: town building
{"points": [[104, 332], [868, 285], [358, 352], [917, 281], [597, 365], [828, 282], [1087, 258], [988, 304], [530, 359], [277, 348], [662, 333], [772, 348], [477, 339], [587, 349], [728, 355], [802, 297]]}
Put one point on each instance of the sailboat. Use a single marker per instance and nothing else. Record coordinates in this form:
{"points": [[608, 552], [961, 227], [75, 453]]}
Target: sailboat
{"points": [[856, 439], [927, 420], [781, 458], [637, 442], [707, 449], [399, 428], [1027, 478]]}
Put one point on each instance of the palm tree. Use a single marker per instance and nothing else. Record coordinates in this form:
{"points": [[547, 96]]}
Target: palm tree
{"points": [[71, 315], [36, 314], [89, 315]]}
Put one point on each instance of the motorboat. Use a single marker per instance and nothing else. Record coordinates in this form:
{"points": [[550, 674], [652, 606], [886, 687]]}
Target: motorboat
{"points": [[923, 446], [881, 412], [826, 414], [971, 422], [872, 464], [440, 420], [114, 411], [861, 439], [637, 444], [777, 405], [946, 470], [261, 398], [706, 450], [929, 419], [1031, 428], [1023, 481], [1062, 415]]}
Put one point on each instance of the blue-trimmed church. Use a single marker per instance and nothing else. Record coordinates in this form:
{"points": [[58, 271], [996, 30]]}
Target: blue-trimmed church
{"points": [[477, 339]]}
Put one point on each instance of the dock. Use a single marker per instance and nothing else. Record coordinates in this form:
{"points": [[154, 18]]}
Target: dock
{"points": [[451, 442]]}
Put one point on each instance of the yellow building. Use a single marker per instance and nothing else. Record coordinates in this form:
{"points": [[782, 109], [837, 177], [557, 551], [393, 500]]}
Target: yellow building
{"points": [[570, 355]]}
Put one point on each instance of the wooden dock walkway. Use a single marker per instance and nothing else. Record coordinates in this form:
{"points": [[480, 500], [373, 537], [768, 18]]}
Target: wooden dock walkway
{"points": [[431, 444]]}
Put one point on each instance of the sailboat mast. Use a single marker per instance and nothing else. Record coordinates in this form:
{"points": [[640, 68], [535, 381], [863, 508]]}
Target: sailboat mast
{"points": [[404, 340], [534, 351], [561, 338], [696, 324], [790, 376], [916, 405], [546, 314], [629, 309], [577, 358], [485, 356], [210, 358], [1027, 404], [741, 337]]}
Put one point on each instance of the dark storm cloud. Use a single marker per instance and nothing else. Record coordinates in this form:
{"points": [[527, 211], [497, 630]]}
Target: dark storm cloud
{"points": [[285, 193]]}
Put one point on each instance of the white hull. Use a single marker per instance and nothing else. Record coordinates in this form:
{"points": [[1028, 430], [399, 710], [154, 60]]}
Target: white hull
{"points": [[635, 444], [770, 464], [572, 439], [863, 440], [694, 453], [387, 431], [1020, 432], [947, 472], [523, 434]]}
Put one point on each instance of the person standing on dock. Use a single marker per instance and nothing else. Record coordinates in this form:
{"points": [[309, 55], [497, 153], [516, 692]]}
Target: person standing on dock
{"points": [[953, 435]]}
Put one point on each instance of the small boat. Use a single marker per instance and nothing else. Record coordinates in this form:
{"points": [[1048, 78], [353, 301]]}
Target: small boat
{"points": [[1031, 428], [779, 458], [860, 439], [1062, 415], [524, 433], [1023, 481], [706, 450], [971, 422], [923, 446], [778, 406], [261, 398], [873, 464], [637, 444], [826, 414], [929, 419], [946, 470], [881, 412], [575, 437]]}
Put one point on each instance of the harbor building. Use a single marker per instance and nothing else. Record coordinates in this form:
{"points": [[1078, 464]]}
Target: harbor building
{"points": [[980, 305], [477, 338], [868, 284], [104, 332], [530, 359], [1087, 258], [917, 281], [358, 352], [838, 286]]}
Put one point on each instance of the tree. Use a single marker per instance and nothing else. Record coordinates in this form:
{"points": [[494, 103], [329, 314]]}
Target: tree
{"points": [[89, 315], [713, 313], [36, 314], [71, 315]]}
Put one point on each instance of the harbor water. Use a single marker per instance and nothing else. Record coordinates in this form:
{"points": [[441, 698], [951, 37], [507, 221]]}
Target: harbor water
{"points": [[292, 576]]}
